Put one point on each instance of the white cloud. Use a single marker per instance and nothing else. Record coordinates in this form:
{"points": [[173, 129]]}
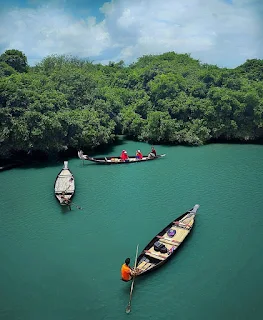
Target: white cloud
{"points": [[44, 31], [213, 31]]}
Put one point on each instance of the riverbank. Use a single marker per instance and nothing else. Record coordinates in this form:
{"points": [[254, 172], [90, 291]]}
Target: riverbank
{"points": [[37, 157], [10, 166]]}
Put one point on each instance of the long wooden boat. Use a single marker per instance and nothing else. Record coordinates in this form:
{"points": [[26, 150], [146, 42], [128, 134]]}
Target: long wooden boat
{"points": [[117, 159], [64, 185], [169, 239]]}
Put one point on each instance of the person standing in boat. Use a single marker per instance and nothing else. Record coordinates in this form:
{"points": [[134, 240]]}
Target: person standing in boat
{"points": [[139, 154], [153, 153], [127, 273]]}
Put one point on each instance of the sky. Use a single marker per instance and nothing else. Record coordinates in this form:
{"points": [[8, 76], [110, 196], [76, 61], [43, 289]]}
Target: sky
{"points": [[221, 32]]}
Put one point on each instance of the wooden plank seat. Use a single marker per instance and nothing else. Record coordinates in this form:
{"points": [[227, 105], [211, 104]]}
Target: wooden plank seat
{"points": [[65, 193], [169, 241], [144, 266], [181, 225], [67, 175], [149, 266], [154, 255]]}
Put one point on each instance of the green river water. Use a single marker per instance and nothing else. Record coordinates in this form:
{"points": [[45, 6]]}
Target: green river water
{"points": [[61, 265]]}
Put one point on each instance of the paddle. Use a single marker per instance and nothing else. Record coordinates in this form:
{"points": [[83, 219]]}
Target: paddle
{"points": [[80, 208], [128, 308]]}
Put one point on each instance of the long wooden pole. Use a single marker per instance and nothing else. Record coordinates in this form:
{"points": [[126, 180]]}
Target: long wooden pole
{"points": [[128, 308]]}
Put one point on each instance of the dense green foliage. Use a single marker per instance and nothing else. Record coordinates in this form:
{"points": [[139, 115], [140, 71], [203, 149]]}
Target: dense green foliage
{"points": [[64, 102]]}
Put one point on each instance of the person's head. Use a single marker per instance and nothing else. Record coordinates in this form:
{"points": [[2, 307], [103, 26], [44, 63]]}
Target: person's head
{"points": [[125, 151], [152, 148], [127, 261], [139, 150]]}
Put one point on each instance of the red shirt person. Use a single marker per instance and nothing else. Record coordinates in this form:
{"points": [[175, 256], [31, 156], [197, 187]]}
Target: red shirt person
{"points": [[124, 155], [153, 151], [152, 154], [139, 154]]}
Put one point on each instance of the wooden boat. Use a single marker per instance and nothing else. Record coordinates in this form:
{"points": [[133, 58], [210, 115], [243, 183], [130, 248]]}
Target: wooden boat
{"points": [[117, 160], [64, 185], [171, 237]]}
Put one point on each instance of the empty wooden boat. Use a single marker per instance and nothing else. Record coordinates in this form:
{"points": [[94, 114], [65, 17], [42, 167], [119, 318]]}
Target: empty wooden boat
{"points": [[117, 159], [166, 243], [64, 185]]}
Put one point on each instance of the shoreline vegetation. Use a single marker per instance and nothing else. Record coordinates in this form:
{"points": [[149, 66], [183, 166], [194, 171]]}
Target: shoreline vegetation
{"points": [[65, 103]]}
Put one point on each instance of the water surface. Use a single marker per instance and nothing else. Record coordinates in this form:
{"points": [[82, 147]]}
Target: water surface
{"points": [[59, 264]]}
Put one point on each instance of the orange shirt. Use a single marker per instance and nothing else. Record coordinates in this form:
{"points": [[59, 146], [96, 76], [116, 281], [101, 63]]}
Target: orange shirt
{"points": [[125, 272]]}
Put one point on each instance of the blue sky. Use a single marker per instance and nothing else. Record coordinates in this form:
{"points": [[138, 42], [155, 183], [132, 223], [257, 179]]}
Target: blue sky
{"points": [[222, 32]]}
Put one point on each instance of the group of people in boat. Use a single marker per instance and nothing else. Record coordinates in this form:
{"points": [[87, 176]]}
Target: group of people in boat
{"points": [[124, 155]]}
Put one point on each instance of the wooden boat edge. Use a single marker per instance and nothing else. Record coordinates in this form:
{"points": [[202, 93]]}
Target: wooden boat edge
{"points": [[158, 265], [105, 161], [65, 166]]}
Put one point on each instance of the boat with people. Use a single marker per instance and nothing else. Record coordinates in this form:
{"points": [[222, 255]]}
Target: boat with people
{"points": [[123, 158], [64, 185], [166, 243]]}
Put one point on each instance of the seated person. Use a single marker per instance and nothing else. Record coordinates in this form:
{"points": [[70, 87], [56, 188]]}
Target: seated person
{"points": [[127, 273], [139, 154], [124, 156], [153, 153]]}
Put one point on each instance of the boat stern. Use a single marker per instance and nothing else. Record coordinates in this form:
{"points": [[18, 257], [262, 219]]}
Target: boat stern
{"points": [[65, 165], [194, 209], [81, 155]]}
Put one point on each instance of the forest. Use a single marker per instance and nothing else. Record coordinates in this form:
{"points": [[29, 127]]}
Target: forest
{"points": [[68, 103]]}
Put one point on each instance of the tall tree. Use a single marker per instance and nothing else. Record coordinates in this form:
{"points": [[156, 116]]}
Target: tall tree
{"points": [[15, 59]]}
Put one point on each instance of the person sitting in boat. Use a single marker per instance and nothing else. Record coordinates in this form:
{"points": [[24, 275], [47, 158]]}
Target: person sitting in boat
{"points": [[124, 156], [63, 197], [153, 153], [126, 271], [64, 200], [139, 154]]}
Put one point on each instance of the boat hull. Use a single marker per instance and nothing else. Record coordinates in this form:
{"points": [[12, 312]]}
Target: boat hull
{"points": [[64, 185], [117, 160], [149, 259]]}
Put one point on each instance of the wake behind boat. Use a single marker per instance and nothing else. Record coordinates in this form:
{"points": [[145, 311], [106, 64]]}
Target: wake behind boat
{"points": [[165, 244], [117, 159], [64, 185]]}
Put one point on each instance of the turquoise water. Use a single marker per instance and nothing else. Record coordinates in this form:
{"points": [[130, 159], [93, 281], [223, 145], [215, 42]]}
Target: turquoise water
{"points": [[60, 264]]}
